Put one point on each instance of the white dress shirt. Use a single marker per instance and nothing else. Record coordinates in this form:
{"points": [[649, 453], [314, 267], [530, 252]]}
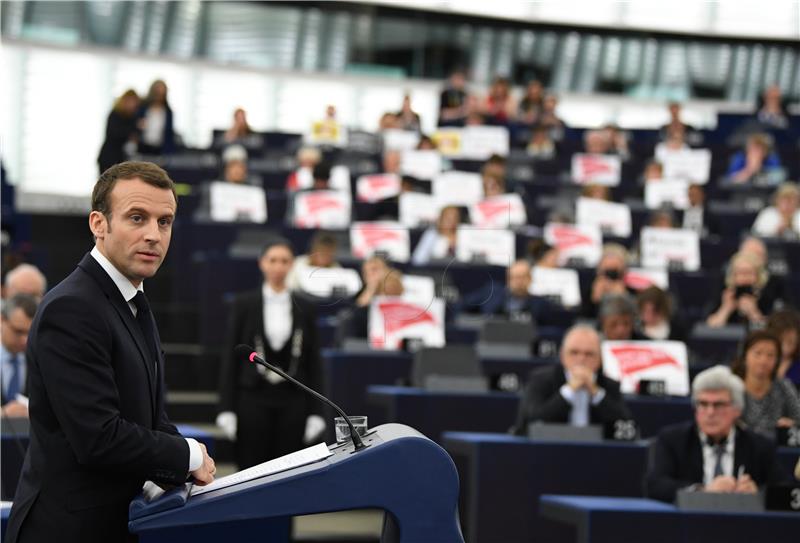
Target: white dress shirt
{"points": [[277, 316], [710, 457], [128, 291]]}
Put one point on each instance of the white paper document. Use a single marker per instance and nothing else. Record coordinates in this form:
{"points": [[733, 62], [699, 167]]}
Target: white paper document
{"points": [[293, 460]]}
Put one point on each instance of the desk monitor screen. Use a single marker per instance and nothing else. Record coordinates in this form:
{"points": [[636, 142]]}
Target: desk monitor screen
{"points": [[565, 432], [715, 501]]}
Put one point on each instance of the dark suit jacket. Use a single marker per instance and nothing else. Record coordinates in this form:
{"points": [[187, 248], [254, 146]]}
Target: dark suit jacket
{"points": [[246, 325], [542, 401], [677, 460], [98, 428]]}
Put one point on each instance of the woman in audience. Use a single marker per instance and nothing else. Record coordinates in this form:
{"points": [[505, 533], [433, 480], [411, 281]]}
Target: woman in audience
{"points": [[609, 278], [321, 254], [121, 131], [744, 300], [655, 316], [783, 218], [493, 175], [596, 192], [785, 325], [542, 255], [235, 170], [499, 107], [675, 141], [770, 401], [155, 122], [379, 280], [653, 171], [407, 118], [239, 130], [757, 163], [550, 119], [541, 145], [307, 159], [438, 242], [772, 110], [531, 104]]}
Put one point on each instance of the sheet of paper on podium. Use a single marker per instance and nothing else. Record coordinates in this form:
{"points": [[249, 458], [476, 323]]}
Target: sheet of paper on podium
{"points": [[292, 460]]}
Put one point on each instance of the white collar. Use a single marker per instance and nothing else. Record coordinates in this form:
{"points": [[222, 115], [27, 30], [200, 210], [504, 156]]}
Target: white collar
{"points": [[124, 284], [728, 440], [270, 294]]}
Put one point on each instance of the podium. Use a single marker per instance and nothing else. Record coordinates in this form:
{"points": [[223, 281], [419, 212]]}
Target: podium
{"points": [[401, 472]]}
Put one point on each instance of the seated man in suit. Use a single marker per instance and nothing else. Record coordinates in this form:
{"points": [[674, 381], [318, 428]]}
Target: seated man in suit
{"points": [[16, 316], [575, 391], [711, 453], [514, 302]]}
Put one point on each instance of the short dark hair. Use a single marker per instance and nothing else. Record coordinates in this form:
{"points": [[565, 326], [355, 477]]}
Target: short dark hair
{"points": [[660, 299], [324, 239], [27, 303], [276, 242], [740, 367], [616, 304], [146, 171], [783, 321]]}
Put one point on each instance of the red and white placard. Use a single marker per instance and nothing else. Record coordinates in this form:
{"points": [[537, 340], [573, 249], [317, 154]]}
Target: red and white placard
{"points": [[393, 319], [499, 212], [631, 361], [391, 238], [596, 169], [322, 209], [584, 242]]}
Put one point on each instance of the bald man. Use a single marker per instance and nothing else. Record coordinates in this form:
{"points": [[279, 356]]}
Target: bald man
{"points": [[575, 391], [25, 279]]}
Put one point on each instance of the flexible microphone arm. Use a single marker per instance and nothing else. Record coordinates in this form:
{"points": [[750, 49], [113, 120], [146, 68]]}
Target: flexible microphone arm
{"points": [[248, 353]]}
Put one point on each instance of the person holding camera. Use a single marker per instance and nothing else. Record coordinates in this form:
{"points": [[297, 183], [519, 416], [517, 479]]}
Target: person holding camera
{"points": [[609, 278], [742, 301]]}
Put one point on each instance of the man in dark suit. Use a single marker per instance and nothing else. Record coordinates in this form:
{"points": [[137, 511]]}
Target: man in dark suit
{"points": [[575, 391], [95, 377], [15, 324], [712, 454], [268, 416]]}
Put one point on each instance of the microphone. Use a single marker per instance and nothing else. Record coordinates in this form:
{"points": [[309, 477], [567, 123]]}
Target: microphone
{"points": [[248, 353]]}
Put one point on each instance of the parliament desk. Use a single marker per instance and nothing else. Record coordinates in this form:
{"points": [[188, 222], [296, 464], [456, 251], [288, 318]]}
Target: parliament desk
{"points": [[434, 413], [502, 477], [611, 520], [347, 375]]}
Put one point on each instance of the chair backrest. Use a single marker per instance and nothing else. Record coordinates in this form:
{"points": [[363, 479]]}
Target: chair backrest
{"points": [[452, 360], [508, 332]]}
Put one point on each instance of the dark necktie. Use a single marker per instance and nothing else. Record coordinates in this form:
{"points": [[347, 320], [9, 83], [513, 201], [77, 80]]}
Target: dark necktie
{"points": [[14, 381], [145, 320], [719, 452]]}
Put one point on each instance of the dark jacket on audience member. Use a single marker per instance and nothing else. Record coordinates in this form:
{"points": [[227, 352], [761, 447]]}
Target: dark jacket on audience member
{"points": [[271, 417], [119, 130], [542, 401], [677, 460]]}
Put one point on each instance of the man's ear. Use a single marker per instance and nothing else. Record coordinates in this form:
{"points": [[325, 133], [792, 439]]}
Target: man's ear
{"points": [[98, 224]]}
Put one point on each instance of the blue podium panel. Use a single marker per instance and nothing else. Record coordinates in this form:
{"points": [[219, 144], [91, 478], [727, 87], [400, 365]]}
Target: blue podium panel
{"points": [[611, 520], [401, 472], [434, 413], [503, 476]]}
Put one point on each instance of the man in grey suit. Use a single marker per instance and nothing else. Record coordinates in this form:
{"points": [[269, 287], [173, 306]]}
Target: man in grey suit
{"points": [[96, 378]]}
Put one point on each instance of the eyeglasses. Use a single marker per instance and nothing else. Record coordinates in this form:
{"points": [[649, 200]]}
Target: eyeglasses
{"points": [[716, 406]]}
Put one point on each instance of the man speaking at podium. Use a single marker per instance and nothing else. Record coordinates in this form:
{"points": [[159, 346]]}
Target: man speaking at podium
{"points": [[96, 377]]}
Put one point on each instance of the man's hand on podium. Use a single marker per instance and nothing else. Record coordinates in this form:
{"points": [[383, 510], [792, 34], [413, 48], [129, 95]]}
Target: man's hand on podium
{"points": [[227, 421], [315, 425], [205, 473]]}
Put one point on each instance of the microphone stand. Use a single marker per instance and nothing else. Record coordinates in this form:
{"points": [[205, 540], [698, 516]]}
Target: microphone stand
{"points": [[252, 356]]}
